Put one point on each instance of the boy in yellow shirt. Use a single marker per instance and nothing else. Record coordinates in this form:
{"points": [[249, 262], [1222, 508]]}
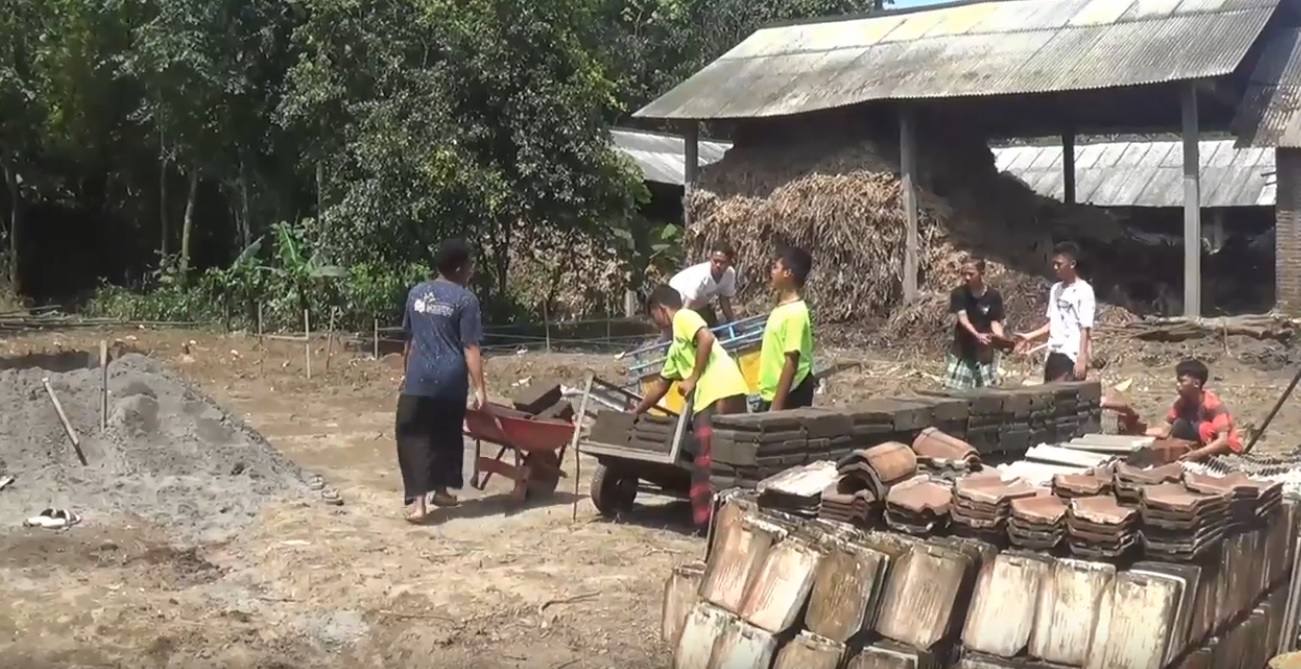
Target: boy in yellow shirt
{"points": [[706, 375], [786, 378]]}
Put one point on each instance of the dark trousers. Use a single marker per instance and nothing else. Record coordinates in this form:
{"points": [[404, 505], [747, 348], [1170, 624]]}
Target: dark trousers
{"points": [[799, 397], [1058, 367], [431, 448]]}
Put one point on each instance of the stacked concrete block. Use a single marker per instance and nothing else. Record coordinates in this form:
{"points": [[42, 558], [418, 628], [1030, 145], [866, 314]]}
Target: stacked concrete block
{"points": [[748, 448]]}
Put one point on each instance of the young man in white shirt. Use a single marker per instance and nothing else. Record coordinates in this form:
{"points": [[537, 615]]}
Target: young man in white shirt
{"points": [[1071, 307], [700, 284]]}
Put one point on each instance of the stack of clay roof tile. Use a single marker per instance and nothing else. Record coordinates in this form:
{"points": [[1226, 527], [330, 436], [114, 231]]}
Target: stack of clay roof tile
{"points": [[1070, 486], [1128, 480], [943, 455], [849, 500], [982, 504], [918, 506], [1249, 499], [864, 478], [1180, 524], [1037, 522], [797, 490], [1099, 527]]}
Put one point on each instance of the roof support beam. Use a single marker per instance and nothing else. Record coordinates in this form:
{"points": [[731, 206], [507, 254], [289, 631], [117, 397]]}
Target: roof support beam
{"points": [[1192, 204], [690, 168], [908, 175], [1068, 166]]}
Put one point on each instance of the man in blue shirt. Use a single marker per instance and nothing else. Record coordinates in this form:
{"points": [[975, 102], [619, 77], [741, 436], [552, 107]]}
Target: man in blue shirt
{"points": [[443, 328]]}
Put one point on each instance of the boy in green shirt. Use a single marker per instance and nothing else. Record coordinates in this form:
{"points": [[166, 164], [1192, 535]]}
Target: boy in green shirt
{"points": [[786, 378], [706, 375]]}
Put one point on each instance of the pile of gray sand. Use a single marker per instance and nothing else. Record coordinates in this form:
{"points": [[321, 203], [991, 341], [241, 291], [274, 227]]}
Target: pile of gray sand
{"points": [[170, 455]]}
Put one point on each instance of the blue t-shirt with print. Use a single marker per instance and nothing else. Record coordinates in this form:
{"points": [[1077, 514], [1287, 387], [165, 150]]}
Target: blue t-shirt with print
{"points": [[440, 320]]}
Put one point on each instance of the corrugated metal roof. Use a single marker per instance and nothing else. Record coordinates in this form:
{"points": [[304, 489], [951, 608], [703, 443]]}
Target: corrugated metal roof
{"points": [[1145, 174], [662, 157], [1270, 112], [988, 48]]}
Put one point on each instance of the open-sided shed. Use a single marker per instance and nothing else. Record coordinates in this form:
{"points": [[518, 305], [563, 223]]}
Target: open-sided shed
{"points": [[1036, 67]]}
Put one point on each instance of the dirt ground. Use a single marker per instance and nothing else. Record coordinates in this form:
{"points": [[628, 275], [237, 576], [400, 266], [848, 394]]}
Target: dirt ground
{"points": [[486, 585]]}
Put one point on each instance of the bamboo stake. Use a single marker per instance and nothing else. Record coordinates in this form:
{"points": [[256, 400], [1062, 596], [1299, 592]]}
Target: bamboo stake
{"points": [[307, 343], [63, 418], [261, 344], [103, 384], [329, 341], [546, 323], [375, 341]]}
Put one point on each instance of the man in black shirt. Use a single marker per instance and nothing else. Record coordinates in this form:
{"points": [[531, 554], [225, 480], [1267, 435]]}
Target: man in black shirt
{"points": [[978, 314]]}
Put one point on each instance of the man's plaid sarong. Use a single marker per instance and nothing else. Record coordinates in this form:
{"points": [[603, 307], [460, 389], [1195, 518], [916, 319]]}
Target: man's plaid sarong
{"points": [[966, 374]]}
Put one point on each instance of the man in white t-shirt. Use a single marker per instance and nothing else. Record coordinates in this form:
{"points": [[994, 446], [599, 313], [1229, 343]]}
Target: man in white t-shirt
{"points": [[1071, 306], [714, 278]]}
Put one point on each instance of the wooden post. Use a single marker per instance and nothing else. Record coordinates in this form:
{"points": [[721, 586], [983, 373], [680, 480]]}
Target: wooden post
{"points": [[546, 324], [375, 341], [307, 343], [103, 384], [907, 169], [261, 344], [690, 168], [329, 341], [1068, 167], [1192, 205]]}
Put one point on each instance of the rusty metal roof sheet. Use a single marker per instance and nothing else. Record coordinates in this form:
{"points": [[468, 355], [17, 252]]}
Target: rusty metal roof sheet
{"points": [[1146, 174], [987, 48], [661, 157], [1270, 111]]}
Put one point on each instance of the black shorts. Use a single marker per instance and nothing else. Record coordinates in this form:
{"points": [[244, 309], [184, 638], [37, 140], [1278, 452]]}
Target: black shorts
{"points": [[799, 397], [431, 446], [1058, 367]]}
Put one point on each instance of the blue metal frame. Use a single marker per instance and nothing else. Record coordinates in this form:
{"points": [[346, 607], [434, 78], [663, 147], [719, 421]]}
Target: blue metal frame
{"points": [[732, 336]]}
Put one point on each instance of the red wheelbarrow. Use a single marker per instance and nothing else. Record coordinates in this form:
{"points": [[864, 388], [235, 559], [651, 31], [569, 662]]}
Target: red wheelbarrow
{"points": [[538, 445]]}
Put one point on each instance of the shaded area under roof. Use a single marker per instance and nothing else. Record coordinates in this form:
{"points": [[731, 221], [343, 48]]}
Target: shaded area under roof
{"points": [[1145, 174], [1270, 113], [982, 49], [662, 157]]}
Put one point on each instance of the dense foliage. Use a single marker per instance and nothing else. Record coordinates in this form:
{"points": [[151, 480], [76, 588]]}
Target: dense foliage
{"points": [[195, 159]]}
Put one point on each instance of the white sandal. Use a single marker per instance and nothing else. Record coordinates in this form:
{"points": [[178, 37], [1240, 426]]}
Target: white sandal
{"points": [[53, 519]]}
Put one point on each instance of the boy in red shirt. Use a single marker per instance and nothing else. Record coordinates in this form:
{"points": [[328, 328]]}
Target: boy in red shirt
{"points": [[1199, 416]]}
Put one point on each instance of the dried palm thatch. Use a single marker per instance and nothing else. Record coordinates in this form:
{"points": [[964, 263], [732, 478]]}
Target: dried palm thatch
{"points": [[843, 203]]}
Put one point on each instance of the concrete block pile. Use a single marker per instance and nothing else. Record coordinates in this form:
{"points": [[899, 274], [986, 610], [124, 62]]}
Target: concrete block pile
{"points": [[998, 423], [779, 591]]}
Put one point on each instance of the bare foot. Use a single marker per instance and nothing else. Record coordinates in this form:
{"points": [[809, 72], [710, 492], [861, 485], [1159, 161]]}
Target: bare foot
{"points": [[443, 498], [417, 512]]}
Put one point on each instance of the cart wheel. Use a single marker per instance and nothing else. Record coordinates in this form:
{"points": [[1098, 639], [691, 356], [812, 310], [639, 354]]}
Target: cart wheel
{"points": [[612, 492]]}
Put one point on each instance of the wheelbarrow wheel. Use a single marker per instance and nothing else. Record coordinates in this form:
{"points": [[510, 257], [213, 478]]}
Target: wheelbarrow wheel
{"points": [[612, 492]]}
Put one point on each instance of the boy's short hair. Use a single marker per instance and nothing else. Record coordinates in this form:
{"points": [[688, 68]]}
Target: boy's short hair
{"points": [[664, 295], [1195, 369], [976, 261], [723, 247], [798, 261], [1068, 250], [452, 255]]}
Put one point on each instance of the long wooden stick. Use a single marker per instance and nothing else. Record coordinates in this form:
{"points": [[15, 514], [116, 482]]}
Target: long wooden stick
{"points": [[329, 341], [103, 384], [63, 418], [307, 343], [261, 344], [375, 341], [573, 444]]}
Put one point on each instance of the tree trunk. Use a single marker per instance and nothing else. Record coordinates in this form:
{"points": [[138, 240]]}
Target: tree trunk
{"points": [[320, 188], [246, 225], [11, 183], [187, 226], [164, 224]]}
